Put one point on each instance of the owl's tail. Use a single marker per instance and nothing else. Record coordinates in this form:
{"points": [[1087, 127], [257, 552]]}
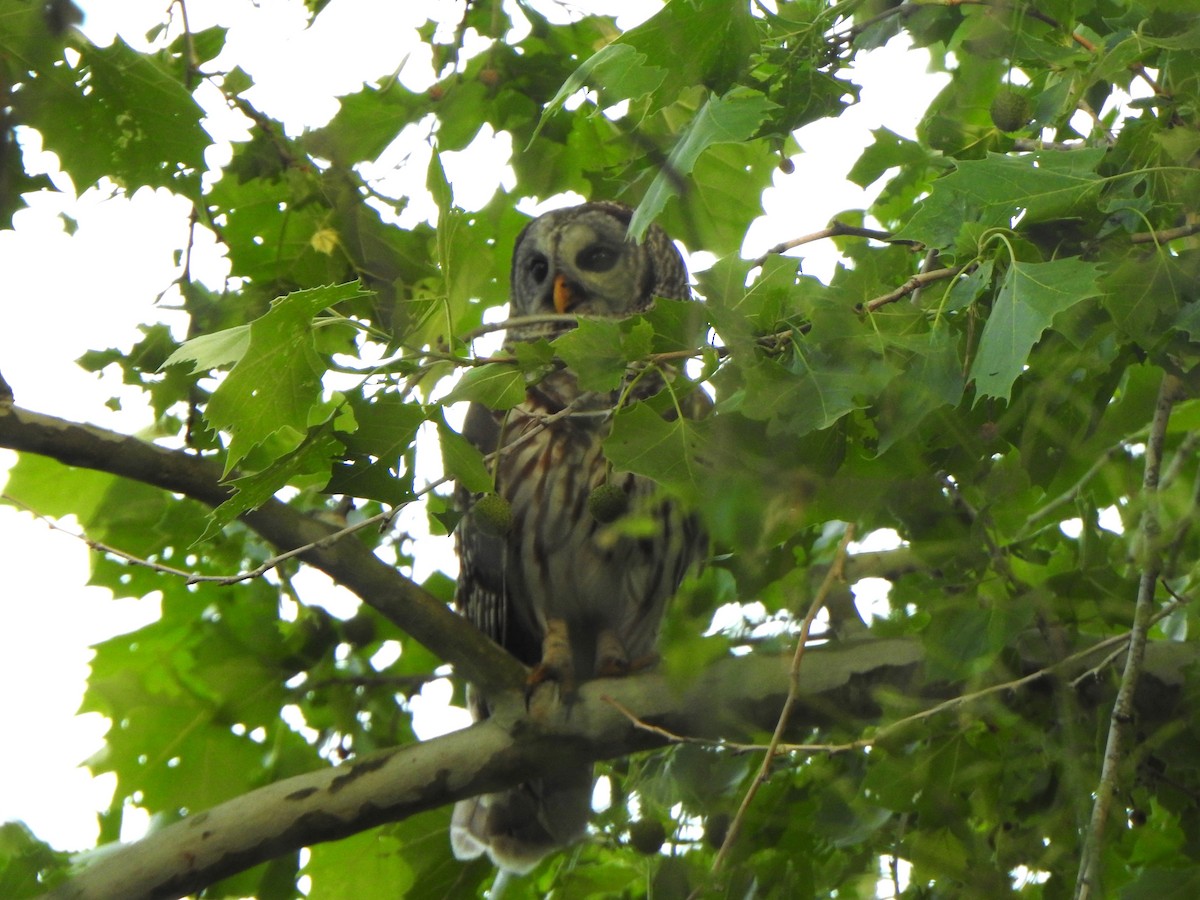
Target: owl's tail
{"points": [[517, 828]]}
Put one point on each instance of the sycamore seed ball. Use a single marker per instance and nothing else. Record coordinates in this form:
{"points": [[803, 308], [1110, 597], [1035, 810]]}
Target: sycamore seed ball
{"points": [[1010, 110], [647, 835], [607, 502], [493, 513]]}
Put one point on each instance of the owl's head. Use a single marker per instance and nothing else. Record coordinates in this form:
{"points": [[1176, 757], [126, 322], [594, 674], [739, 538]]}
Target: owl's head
{"points": [[579, 261]]}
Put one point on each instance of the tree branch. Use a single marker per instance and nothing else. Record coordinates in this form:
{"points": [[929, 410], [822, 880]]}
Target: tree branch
{"points": [[345, 559], [832, 230], [913, 284], [1122, 714], [734, 697]]}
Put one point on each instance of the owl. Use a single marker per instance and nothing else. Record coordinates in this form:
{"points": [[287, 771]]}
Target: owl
{"points": [[567, 594]]}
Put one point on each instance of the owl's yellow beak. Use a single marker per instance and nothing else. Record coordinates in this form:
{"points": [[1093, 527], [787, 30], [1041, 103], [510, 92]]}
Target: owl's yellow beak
{"points": [[562, 294]]}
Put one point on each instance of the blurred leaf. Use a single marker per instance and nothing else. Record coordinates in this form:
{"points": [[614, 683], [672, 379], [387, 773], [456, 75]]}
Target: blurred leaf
{"points": [[670, 452], [463, 462], [731, 118], [495, 385], [1030, 296]]}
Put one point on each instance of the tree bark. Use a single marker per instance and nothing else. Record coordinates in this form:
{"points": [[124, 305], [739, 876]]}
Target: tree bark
{"points": [[731, 699]]}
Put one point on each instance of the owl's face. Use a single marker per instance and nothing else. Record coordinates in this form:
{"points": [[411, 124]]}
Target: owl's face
{"points": [[578, 261]]}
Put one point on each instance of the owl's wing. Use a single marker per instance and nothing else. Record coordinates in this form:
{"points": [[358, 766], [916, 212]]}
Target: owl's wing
{"points": [[482, 595]]}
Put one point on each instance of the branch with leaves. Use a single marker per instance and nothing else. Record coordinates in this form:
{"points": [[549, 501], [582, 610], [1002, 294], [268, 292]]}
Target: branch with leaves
{"points": [[343, 558]]}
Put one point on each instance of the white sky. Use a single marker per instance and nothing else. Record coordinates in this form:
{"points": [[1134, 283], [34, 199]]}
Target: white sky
{"points": [[61, 295]]}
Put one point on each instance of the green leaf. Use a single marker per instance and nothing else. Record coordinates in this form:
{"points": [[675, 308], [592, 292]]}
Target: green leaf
{"points": [[366, 122], [1144, 294], [52, 489], [594, 352], [889, 150], [706, 43], [1164, 884], [212, 351], [496, 385], [670, 452], [119, 113], [309, 464], [1030, 296], [934, 379], [732, 118], [27, 866], [1045, 185], [278, 380], [356, 866], [618, 70], [463, 461]]}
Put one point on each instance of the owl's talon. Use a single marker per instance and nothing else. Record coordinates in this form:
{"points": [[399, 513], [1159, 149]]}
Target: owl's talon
{"points": [[612, 668], [611, 659], [619, 668], [556, 666]]}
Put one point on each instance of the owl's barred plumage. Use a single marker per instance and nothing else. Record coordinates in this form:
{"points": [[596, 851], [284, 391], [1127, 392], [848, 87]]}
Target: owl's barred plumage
{"points": [[561, 591]]}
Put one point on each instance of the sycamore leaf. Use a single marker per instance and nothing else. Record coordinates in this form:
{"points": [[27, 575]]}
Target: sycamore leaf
{"points": [[1046, 185], [677, 325], [889, 150], [496, 385], [119, 113], [812, 392], [933, 380], [619, 70], [357, 865], [593, 351], [704, 43], [278, 379], [1031, 295], [310, 462], [732, 118], [669, 452], [211, 351], [1144, 294], [463, 461]]}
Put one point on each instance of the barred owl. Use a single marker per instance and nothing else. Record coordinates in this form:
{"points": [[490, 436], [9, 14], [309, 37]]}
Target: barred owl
{"points": [[564, 593]]}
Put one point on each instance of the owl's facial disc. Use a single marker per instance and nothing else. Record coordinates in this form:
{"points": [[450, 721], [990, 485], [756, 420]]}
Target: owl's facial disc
{"points": [[591, 269], [578, 261]]}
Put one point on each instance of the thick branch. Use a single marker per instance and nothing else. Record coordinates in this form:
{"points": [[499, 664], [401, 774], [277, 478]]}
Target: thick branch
{"points": [[1123, 708], [345, 559], [735, 697]]}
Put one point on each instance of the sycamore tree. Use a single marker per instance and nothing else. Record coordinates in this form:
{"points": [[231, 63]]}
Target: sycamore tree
{"points": [[1001, 371]]}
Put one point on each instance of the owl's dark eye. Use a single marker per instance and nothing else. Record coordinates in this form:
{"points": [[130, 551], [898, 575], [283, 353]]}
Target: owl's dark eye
{"points": [[537, 267], [597, 258]]}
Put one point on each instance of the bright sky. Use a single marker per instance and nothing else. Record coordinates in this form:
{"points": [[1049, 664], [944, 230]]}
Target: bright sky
{"points": [[61, 295]]}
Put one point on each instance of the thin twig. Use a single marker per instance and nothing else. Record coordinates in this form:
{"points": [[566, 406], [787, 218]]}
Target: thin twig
{"points": [[1165, 236], [1087, 883], [927, 265], [831, 577], [1028, 145], [914, 283], [834, 229]]}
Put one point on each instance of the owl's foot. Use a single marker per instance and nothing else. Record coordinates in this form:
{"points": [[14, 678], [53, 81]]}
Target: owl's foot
{"points": [[611, 659], [613, 662], [556, 667]]}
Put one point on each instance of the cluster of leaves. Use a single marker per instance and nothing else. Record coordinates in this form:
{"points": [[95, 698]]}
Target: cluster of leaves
{"points": [[988, 374]]}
